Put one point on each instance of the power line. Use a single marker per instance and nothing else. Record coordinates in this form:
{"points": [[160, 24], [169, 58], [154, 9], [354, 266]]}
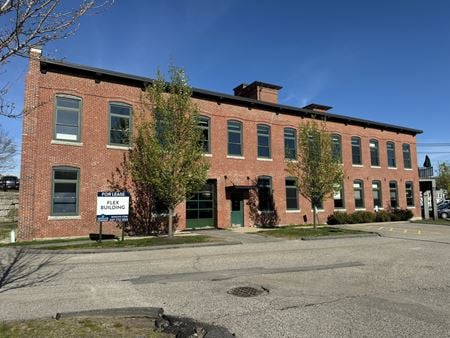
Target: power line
{"points": [[433, 144], [433, 152]]}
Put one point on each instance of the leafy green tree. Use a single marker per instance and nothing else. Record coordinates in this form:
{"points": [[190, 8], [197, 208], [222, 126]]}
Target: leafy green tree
{"points": [[318, 173], [443, 180], [168, 148]]}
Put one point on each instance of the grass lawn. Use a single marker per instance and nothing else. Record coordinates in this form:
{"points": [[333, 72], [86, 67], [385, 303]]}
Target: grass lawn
{"points": [[292, 232], [47, 241], [5, 229], [439, 221], [82, 327], [144, 242]]}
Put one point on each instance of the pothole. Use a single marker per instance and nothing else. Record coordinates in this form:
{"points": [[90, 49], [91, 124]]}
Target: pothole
{"points": [[247, 291]]}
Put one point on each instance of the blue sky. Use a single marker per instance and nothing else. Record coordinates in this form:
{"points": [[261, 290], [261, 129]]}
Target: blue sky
{"points": [[387, 61]]}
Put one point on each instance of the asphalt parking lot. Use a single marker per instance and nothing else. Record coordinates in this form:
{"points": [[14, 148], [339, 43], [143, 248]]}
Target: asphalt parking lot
{"points": [[395, 286], [407, 230]]}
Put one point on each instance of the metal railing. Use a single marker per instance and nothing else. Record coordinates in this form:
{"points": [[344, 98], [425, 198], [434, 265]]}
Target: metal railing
{"points": [[426, 172]]}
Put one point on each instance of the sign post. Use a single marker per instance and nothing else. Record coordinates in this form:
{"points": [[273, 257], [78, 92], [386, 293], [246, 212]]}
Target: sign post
{"points": [[112, 206]]}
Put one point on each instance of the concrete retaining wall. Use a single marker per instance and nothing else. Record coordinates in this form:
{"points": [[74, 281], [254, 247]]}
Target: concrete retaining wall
{"points": [[9, 205]]}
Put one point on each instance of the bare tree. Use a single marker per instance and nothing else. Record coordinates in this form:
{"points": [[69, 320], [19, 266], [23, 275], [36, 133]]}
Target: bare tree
{"points": [[26, 24], [7, 151]]}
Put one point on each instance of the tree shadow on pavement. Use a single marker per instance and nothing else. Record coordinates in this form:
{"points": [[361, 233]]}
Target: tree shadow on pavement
{"points": [[21, 268]]}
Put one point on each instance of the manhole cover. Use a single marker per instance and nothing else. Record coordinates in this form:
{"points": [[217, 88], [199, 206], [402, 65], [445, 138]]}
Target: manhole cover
{"points": [[246, 291]]}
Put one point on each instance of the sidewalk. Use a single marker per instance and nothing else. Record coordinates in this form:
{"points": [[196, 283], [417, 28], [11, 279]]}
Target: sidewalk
{"points": [[244, 235], [236, 236]]}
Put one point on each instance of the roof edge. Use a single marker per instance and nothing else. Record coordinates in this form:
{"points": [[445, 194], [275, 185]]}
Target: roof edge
{"points": [[112, 76]]}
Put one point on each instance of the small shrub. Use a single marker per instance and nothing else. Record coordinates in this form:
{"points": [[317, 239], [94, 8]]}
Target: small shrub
{"points": [[382, 216], [362, 217], [401, 215], [331, 220], [338, 217]]}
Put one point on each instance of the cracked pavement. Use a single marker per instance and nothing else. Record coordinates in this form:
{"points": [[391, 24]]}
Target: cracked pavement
{"points": [[358, 287]]}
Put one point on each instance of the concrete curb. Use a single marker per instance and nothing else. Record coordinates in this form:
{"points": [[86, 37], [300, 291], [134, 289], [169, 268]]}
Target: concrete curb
{"points": [[145, 248], [372, 234], [151, 312], [178, 326]]}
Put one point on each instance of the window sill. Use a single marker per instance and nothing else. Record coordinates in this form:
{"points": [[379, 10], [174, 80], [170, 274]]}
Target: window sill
{"points": [[357, 166], [290, 160], [375, 166], [109, 146], [236, 157], [409, 169], [61, 218], [318, 210], [411, 207], [340, 209], [296, 211], [265, 212], [360, 209], [392, 168], [264, 159], [67, 143], [207, 155]]}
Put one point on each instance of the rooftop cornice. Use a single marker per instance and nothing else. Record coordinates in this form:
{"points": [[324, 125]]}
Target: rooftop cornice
{"points": [[97, 74]]}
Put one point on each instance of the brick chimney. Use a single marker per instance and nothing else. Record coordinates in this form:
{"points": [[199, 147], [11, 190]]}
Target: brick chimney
{"points": [[320, 108], [28, 171], [258, 90]]}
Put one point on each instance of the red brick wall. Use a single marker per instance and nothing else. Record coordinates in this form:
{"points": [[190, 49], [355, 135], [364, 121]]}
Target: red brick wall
{"points": [[97, 162]]}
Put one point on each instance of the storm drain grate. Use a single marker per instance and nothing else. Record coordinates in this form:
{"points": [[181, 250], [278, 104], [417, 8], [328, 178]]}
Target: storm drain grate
{"points": [[246, 291]]}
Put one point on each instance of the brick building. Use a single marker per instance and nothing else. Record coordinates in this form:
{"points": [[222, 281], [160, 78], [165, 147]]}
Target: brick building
{"points": [[72, 142]]}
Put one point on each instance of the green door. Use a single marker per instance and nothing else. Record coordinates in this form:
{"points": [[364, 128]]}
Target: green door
{"points": [[200, 208], [237, 212]]}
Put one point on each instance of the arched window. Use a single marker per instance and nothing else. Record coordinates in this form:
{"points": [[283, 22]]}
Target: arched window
{"points": [[67, 118], [290, 144], [263, 132], [377, 194], [204, 125], [393, 194], [291, 193], [265, 193], [391, 154], [336, 147], [409, 190], [356, 150], [119, 124], [65, 191], [374, 153], [358, 189], [235, 138], [407, 164]]}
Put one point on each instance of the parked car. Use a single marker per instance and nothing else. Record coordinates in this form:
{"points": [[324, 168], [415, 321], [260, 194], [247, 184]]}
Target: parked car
{"points": [[444, 210], [9, 182], [439, 204]]}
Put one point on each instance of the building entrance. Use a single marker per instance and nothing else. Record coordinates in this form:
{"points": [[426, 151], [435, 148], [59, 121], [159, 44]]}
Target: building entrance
{"points": [[200, 208]]}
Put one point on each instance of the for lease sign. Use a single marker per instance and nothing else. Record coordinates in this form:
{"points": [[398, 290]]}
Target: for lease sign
{"points": [[113, 206]]}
